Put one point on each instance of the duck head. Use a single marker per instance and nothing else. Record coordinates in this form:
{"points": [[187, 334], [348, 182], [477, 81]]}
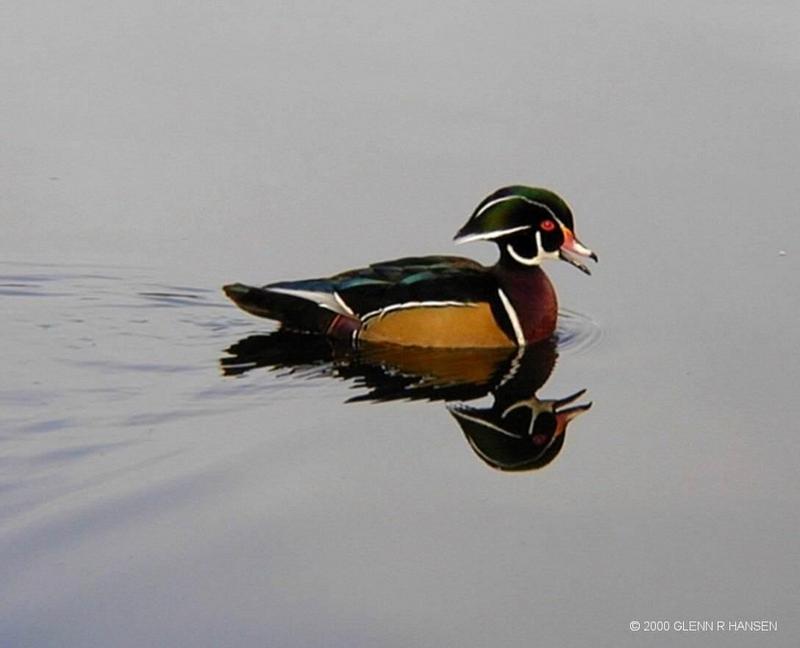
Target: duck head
{"points": [[529, 225]]}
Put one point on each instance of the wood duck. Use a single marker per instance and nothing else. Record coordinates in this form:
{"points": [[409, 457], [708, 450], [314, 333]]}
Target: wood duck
{"points": [[441, 301]]}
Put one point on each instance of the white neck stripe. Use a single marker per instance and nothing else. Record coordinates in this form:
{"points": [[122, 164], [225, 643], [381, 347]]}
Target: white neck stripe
{"points": [[512, 315]]}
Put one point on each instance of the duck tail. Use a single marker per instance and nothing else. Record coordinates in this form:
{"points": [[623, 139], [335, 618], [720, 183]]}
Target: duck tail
{"points": [[295, 313]]}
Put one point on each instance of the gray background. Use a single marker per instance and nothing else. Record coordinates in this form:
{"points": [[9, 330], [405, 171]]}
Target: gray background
{"points": [[157, 147]]}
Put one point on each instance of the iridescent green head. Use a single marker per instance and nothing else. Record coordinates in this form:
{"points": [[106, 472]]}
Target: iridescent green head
{"points": [[529, 224]]}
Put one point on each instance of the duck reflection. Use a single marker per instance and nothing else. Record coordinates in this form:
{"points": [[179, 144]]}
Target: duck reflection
{"points": [[518, 431]]}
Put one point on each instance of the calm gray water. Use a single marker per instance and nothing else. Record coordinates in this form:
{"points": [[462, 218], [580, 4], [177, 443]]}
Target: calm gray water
{"points": [[153, 151]]}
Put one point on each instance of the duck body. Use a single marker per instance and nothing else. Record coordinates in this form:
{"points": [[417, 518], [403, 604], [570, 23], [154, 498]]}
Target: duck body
{"points": [[437, 301]]}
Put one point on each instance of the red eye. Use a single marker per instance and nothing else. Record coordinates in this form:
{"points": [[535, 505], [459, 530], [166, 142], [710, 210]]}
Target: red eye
{"points": [[548, 225]]}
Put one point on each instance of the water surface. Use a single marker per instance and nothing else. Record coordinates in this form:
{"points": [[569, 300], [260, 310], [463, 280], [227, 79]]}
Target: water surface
{"points": [[154, 153]]}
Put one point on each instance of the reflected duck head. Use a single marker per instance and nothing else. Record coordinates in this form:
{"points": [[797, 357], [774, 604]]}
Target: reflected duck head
{"points": [[526, 435]]}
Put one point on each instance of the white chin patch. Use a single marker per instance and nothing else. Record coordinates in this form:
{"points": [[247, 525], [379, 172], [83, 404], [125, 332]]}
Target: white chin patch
{"points": [[521, 259], [532, 261]]}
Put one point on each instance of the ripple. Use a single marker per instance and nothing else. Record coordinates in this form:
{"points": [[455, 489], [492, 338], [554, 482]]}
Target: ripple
{"points": [[576, 332]]}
